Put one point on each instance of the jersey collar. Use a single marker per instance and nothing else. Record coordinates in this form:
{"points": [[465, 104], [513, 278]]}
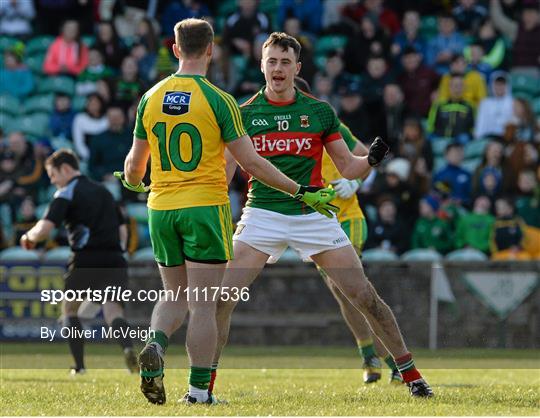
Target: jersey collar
{"points": [[273, 103]]}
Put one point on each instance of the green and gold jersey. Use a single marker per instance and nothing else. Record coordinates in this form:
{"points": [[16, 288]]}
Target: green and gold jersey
{"points": [[291, 136], [187, 121]]}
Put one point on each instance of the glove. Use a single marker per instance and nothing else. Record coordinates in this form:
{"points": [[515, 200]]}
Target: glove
{"points": [[377, 152], [139, 188], [345, 188], [318, 199]]}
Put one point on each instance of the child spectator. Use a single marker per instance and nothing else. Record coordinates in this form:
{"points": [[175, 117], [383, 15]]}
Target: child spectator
{"points": [[492, 161], [67, 54], [474, 229], [522, 125], [96, 70], [16, 78], [388, 231], [90, 122], [474, 55], [61, 119], [493, 44], [528, 198], [352, 112], [458, 179], [494, 112], [129, 86], [409, 36], [445, 45], [507, 234], [429, 230]]}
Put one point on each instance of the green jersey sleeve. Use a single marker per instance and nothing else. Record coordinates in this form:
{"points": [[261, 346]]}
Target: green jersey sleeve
{"points": [[139, 131], [225, 109], [330, 122], [348, 136]]}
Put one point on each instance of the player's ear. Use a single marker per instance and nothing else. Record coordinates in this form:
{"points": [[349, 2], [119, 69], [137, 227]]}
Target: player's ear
{"points": [[176, 51], [298, 67], [210, 49]]}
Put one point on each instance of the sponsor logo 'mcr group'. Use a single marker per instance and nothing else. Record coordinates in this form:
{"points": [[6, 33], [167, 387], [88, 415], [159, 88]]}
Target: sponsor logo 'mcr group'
{"points": [[285, 145]]}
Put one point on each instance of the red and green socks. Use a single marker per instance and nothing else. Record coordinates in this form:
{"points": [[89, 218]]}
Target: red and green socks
{"points": [[406, 367], [213, 374], [389, 360]]}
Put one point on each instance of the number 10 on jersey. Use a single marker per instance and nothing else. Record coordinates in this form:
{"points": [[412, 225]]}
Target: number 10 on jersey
{"points": [[170, 146]]}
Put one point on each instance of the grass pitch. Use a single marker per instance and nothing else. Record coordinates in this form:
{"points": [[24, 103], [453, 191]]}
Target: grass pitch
{"points": [[271, 381]]}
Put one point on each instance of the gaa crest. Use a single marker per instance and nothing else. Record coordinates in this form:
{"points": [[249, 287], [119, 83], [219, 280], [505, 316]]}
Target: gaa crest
{"points": [[304, 121]]}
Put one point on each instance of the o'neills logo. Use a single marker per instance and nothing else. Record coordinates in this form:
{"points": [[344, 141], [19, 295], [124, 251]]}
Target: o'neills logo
{"points": [[288, 145]]}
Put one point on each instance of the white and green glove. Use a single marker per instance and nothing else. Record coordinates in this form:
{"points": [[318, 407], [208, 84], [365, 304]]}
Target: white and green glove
{"points": [[345, 188], [139, 188]]}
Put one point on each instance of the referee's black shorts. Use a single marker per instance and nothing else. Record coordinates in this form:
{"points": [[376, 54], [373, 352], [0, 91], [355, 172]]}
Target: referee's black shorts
{"points": [[96, 270]]}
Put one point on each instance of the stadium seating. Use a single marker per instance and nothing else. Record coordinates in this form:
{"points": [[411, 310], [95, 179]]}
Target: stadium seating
{"points": [[57, 255], [59, 84], [38, 45], [39, 103], [7, 42], [475, 148], [525, 83], [421, 254], [35, 63], [466, 254], [471, 164], [378, 254], [9, 104], [19, 254], [34, 125], [438, 145]]}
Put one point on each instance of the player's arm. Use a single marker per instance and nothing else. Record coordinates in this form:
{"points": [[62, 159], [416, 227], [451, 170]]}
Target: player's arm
{"points": [[39, 232], [136, 161], [230, 166]]}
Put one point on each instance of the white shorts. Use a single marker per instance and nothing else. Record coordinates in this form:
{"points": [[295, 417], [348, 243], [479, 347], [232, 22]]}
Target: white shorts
{"points": [[272, 232]]}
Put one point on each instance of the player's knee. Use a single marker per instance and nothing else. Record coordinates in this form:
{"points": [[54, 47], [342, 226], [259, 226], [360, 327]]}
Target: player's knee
{"points": [[225, 307]]}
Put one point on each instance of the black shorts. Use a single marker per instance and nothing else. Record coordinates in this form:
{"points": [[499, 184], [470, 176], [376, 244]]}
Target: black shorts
{"points": [[96, 270]]}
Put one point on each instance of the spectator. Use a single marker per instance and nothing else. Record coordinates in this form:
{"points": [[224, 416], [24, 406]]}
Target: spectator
{"points": [[458, 178], [450, 209], [409, 36], [490, 183], [507, 233], [324, 90], [474, 229], [110, 146], [96, 70], [16, 78], [16, 18], [334, 69], [293, 27], [492, 162], [177, 10], [67, 54], [61, 119], [26, 218], [452, 118], [523, 35], [528, 198], [445, 45], [469, 15], [243, 26], [494, 45], [418, 82], [367, 41], [128, 86], [475, 56], [376, 78], [110, 45], [522, 125], [145, 62], [429, 230], [308, 12], [413, 145], [383, 17], [220, 72], [520, 156], [352, 111], [393, 114], [494, 112], [388, 231], [90, 122], [146, 35], [252, 78], [474, 85]]}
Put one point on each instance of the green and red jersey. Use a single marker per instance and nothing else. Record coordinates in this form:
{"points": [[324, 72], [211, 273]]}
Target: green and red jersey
{"points": [[291, 135]]}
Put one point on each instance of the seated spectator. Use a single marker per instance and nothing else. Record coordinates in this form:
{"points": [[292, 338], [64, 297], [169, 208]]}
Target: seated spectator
{"points": [[293, 27], [252, 79], [507, 234], [490, 183], [493, 159], [324, 89], [528, 198], [522, 125], [147, 36], [110, 45], [493, 45], [128, 87], [523, 35], [418, 82], [220, 71], [475, 56], [456, 177], [377, 76], [452, 118], [89, 122], [519, 156], [429, 230], [445, 45], [16, 79], [367, 41], [469, 14], [145, 62], [61, 119], [67, 54], [353, 113], [474, 229], [384, 17], [26, 218], [409, 36], [474, 85], [96, 70], [414, 146], [243, 26], [388, 231], [177, 10], [494, 112], [110, 146], [392, 115], [16, 18], [308, 12]]}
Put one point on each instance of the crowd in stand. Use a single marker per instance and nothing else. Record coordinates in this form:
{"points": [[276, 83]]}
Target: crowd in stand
{"points": [[453, 86]]}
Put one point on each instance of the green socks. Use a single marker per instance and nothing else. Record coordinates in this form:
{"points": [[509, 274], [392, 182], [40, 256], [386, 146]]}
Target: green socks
{"points": [[199, 377], [389, 360], [366, 348], [160, 338]]}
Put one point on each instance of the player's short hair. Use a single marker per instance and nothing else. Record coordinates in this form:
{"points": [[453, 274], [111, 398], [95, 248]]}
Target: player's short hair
{"points": [[192, 36], [284, 41], [62, 156]]}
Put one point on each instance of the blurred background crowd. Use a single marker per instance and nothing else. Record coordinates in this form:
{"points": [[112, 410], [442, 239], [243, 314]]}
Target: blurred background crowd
{"points": [[452, 85]]}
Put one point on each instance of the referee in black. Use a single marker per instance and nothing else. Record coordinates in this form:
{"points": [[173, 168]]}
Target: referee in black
{"points": [[97, 236]]}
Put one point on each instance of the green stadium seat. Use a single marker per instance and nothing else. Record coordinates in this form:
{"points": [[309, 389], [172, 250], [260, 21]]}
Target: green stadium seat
{"points": [[536, 106], [57, 255], [269, 6], [9, 104], [19, 254], [40, 103], [438, 163], [138, 211], [7, 42], [38, 45], [471, 164], [89, 40], [371, 212], [78, 103], [227, 7], [35, 63], [438, 145], [428, 27], [59, 84], [421, 254], [466, 254], [476, 148], [328, 43], [35, 125], [378, 254], [144, 254], [525, 83], [40, 210]]}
